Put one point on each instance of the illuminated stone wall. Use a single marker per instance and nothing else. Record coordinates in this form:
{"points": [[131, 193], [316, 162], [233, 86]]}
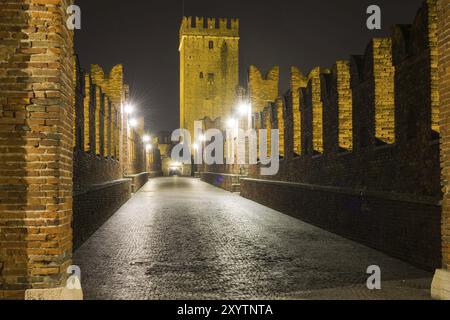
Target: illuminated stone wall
{"points": [[100, 163], [268, 125], [444, 90], [280, 107], [36, 145], [209, 69], [383, 73], [315, 103], [369, 167], [263, 89], [344, 101], [298, 81]]}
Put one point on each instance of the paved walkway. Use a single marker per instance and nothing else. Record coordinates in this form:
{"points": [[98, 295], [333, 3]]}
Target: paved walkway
{"points": [[183, 239]]}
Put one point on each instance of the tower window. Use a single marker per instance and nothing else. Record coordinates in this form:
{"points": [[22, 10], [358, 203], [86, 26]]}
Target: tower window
{"points": [[211, 44], [201, 75], [210, 78]]}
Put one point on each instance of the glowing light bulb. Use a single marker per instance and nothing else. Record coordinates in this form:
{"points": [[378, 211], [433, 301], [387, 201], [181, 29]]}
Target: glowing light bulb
{"points": [[129, 109], [244, 108], [231, 123], [133, 123]]}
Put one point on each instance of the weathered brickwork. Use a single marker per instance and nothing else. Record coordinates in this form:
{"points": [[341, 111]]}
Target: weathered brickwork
{"points": [[298, 81], [113, 86], [279, 104], [101, 181], [342, 102], [314, 103], [136, 149], [432, 39], [368, 132], [263, 89], [403, 228], [87, 97], [36, 143], [98, 107], [444, 90], [268, 120], [384, 73], [258, 125]]}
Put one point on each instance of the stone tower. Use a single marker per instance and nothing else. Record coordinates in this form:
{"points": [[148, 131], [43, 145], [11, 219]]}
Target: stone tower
{"points": [[209, 69]]}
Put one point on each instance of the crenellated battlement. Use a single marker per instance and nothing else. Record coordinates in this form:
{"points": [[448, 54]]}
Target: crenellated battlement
{"points": [[372, 100], [263, 89], [200, 26], [369, 124], [367, 101], [111, 84]]}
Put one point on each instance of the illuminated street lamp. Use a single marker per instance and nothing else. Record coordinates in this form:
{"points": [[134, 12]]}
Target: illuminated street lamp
{"points": [[231, 123], [146, 139], [195, 147], [133, 123], [244, 108], [129, 109]]}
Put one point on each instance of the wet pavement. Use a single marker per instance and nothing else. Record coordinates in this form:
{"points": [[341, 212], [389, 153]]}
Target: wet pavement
{"points": [[180, 238]]}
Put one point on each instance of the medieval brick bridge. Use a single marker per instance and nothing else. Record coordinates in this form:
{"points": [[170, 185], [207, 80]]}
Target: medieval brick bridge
{"points": [[364, 154], [180, 238]]}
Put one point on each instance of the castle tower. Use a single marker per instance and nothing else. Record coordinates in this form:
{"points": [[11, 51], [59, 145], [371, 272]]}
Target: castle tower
{"points": [[209, 69]]}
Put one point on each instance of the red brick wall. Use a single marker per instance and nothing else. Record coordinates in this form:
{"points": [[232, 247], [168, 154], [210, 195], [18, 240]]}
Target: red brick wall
{"points": [[408, 166], [404, 163], [408, 230], [36, 144], [444, 88]]}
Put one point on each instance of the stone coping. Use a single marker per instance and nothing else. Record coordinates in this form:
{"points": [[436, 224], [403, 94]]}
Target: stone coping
{"points": [[223, 174], [131, 176], [440, 289], [101, 186], [354, 192]]}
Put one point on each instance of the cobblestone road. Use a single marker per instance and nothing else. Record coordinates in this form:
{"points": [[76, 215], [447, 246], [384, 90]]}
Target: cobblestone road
{"points": [[183, 239]]}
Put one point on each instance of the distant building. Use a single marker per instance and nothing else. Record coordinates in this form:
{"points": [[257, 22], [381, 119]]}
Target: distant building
{"points": [[209, 69]]}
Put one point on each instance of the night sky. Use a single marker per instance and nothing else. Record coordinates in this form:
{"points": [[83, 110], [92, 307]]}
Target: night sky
{"points": [[143, 35]]}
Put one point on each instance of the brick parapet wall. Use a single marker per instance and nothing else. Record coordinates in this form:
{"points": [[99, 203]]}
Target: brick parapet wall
{"points": [[391, 146], [444, 90], [263, 89], [100, 161], [340, 107], [94, 206], [406, 228], [36, 143]]}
